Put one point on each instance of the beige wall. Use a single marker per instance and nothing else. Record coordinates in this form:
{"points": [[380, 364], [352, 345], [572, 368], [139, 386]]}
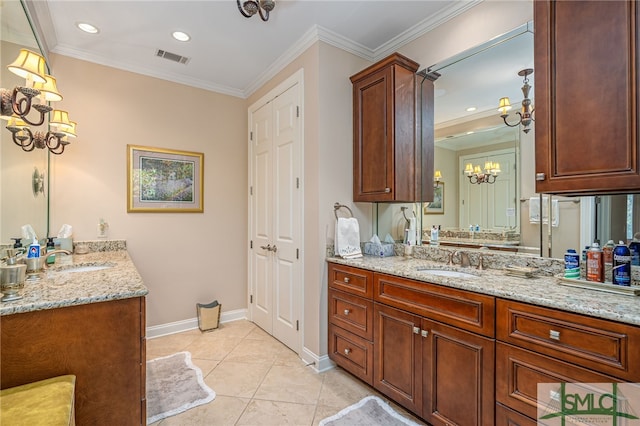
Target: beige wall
{"points": [[183, 258]]}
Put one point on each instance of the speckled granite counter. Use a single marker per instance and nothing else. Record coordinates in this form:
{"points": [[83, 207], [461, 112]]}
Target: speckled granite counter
{"points": [[58, 286], [540, 290]]}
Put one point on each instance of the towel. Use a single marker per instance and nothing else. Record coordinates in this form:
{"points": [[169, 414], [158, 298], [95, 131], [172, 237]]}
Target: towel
{"points": [[534, 211], [347, 241]]}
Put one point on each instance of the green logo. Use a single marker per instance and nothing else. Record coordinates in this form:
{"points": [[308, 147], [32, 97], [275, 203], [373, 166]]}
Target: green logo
{"points": [[588, 403]]}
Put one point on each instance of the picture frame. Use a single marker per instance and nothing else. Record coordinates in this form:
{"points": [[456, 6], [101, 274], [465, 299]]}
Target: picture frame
{"points": [[161, 180], [437, 205]]}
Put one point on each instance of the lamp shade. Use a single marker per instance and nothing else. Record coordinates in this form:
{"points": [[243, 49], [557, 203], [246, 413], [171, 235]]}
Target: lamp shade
{"points": [[468, 169], [60, 118], [29, 65], [504, 106], [49, 90], [437, 175], [70, 131]]}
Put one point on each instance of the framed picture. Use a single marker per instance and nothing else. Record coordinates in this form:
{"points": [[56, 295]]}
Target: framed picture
{"points": [[164, 180], [437, 205]]}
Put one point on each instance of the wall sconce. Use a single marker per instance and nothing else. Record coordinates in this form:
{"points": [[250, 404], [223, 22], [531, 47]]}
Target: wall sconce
{"points": [[477, 176], [526, 113], [437, 176], [17, 106], [251, 7]]}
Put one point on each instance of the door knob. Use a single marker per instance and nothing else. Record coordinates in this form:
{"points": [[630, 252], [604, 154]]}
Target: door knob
{"points": [[274, 248], [267, 247]]}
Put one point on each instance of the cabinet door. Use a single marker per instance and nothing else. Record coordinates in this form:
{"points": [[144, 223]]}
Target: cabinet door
{"points": [[458, 376], [397, 357], [373, 137], [586, 97]]}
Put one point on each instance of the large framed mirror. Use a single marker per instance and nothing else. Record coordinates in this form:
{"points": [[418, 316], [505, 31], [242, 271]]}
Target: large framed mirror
{"points": [[24, 176]]}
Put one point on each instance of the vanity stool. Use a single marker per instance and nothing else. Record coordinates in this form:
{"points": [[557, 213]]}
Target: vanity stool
{"points": [[47, 402]]}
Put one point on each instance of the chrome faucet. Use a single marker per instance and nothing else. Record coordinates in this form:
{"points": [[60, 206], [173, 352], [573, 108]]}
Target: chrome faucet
{"points": [[480, 262]]}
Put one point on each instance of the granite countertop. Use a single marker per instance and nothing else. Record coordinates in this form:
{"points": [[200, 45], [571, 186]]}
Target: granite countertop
{"points": [[539, 290], [58, 286]]}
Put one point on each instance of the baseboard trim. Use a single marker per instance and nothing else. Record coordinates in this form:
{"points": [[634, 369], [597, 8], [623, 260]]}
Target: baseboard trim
{"points": [[192, 324], [318, 363]]}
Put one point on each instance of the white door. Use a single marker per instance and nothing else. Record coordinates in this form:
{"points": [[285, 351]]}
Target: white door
{"points": [[276, 217]]}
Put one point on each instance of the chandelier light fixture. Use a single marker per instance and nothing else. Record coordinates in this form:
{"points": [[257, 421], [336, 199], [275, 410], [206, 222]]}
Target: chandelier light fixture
{"points": [[28, 105], [248, 8], [526, 112], [477, 175]]}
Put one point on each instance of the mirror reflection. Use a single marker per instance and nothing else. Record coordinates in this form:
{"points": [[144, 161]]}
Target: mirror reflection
{"points": [[23, 175]]}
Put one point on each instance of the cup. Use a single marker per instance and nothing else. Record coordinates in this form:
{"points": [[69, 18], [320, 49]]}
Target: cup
{"points": [[34, 264]]}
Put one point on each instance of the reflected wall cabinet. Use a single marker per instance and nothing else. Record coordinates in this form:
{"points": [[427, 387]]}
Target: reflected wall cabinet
{"points": [[586, 97], [389, 155]]}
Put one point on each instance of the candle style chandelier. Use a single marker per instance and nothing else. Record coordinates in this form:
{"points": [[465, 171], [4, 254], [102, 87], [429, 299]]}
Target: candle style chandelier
{"points": [[29, 105], [526, 112], [477, 175], [249, 8]]}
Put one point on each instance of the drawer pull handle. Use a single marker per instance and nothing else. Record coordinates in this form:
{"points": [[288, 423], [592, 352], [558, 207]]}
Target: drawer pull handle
{"points": [[347, 351], [416, 330], [347, 311], [346, 280], [555, 335], [424, 333]]}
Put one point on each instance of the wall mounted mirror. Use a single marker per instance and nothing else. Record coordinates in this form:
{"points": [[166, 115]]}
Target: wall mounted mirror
{"points": [[22, 199]]}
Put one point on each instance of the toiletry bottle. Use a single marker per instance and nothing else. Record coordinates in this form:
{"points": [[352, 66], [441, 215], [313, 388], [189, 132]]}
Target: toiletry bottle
{"points": [[50, 247], [634, 247], [595, 264], [34, 249], [621, 271]]}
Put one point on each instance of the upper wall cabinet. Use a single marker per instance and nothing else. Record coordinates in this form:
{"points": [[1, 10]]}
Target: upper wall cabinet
{"points": [[390, 157], [586, 91]]}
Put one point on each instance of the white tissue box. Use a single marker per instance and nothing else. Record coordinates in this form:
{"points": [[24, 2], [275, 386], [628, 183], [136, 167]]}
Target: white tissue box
{"points": [[382, 250]]}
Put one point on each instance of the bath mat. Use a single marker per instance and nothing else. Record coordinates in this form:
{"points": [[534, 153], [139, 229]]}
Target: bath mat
{"points": [[174, 385], [369, 411]]}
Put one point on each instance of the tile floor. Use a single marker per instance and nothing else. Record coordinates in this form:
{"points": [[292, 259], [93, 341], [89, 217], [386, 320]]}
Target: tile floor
{"points": [[258, 380]]}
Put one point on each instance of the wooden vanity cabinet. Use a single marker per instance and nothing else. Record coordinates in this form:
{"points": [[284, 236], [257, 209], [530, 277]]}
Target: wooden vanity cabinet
{"points": [[586, 97], [542, 345], [102, 344], [389, 155], [351, 320]]}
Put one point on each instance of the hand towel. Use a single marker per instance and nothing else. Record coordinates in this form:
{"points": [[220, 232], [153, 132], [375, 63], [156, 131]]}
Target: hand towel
{"points": [[412, 231], [534, 210], [347, 240], [555, 213]]}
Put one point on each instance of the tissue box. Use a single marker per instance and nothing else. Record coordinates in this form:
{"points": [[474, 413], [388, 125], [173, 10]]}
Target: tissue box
{"points": [[382, 250]]}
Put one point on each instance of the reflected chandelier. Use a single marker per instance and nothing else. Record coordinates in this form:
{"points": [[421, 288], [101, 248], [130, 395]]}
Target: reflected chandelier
{"points": [[526, 112], [17, 105], [249, 8], [477, 176]]}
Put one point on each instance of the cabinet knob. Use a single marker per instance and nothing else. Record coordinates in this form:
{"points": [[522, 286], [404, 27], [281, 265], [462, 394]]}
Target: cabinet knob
{"points": [[347, 311], [541, 176], [387, 190], [346, 280], [424, 333], [555, 335], [347, 351], [416, 330]]}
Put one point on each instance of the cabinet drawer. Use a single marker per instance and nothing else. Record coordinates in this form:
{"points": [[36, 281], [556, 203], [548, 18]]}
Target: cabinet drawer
{"points": [[351, 280], [508, 417], [519, 371], [352, 313], [351, 352], [602, 345], [463, 309]]}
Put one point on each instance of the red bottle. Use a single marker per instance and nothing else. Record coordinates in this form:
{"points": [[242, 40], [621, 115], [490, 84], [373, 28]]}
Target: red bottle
{"points": [[595, 264]]}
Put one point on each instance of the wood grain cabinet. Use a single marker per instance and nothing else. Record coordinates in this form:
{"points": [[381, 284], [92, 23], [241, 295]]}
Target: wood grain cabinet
{"points": [[391, 155], [586, 97], [540, 345], [102, 344]]}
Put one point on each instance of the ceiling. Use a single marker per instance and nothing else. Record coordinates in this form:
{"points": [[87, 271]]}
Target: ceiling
{"points": [[229, 53]]}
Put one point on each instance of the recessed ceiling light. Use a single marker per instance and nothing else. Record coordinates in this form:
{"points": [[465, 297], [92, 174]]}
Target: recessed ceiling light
{"points": [[180, 36], [87, 28], [471, 109]]}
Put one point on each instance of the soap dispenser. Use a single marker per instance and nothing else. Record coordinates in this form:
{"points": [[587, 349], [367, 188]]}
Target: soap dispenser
{"points": [[12, 275], [51, 246]]}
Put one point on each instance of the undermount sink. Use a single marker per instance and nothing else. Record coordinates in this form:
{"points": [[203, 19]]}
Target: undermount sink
{"points": [[447, 273], [86, 268]]}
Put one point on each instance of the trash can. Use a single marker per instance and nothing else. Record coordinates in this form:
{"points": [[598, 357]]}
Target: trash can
{"points": [[208, 315]]}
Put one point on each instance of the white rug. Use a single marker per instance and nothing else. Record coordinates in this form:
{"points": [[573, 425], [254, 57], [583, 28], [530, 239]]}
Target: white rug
{"points": [[370, 411], [174, 385]]}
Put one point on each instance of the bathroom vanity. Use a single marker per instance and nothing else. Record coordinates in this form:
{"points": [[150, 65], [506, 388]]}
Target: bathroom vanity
{"points": [[468, 347], [84, 316]]}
